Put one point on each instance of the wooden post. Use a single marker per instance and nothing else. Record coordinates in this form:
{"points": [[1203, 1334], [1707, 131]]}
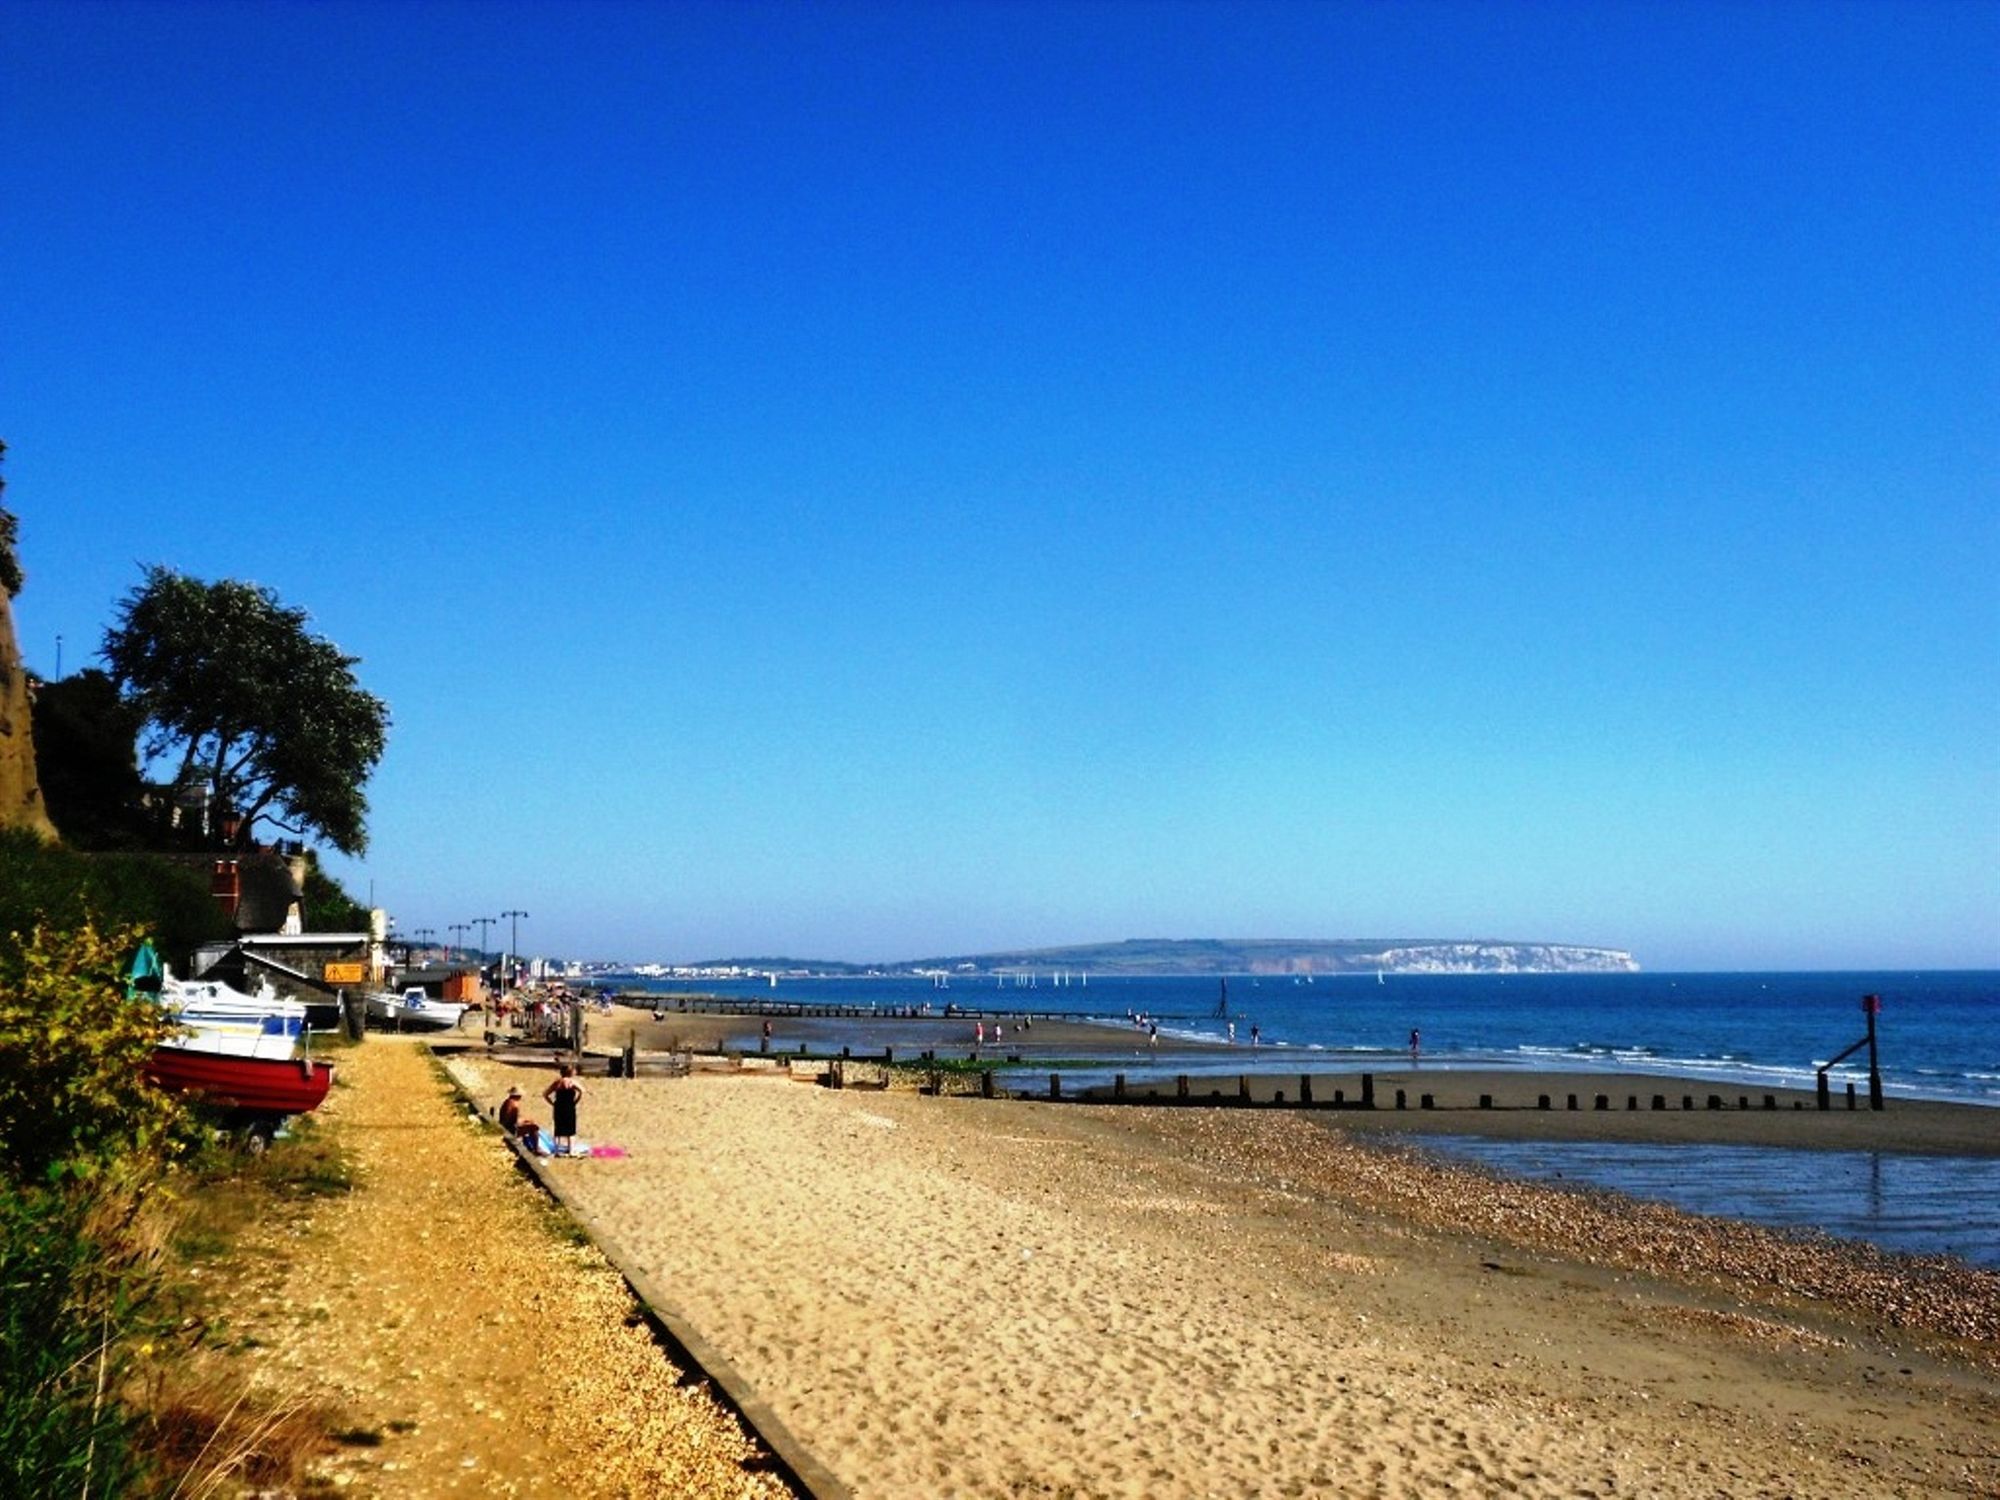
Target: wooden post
{"points": [[1850, 1093], [1181, 1086], [1659, 1101], [1872, 1004], [1572, 1101], [1305, 1088], [1243, 1087], [1541, 1101], [1367, 1090], [1402, 1100], [1055, 1085], [1485, 1101], [1602, 1101], [1427, 1102], [1824, 1101], [986, 1083], [1118, 1086], [631, 1057]]}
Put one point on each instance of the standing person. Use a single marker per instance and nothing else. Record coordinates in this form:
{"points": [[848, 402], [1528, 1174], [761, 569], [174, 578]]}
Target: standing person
{"points": [[563, 1094], [1256, 1035], [1416, 1043]]}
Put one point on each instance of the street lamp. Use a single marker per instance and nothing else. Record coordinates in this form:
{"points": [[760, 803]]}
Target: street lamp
{"points": [[482, 923], [486, 1005], [513, 944], [458, 927]]}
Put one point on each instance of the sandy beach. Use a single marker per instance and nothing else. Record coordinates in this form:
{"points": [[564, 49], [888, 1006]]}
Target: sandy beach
{"points": [[998, 1298]]}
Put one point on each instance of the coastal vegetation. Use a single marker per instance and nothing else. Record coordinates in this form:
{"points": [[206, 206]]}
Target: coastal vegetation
{"points": [[113, 1195], [64, 889], [264, 716]]}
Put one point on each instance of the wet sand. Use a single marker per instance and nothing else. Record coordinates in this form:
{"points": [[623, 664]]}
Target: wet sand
{"points": [[1919, 1127]]}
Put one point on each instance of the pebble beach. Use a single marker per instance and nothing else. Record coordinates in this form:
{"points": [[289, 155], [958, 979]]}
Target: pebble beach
{"points": [[1002, 1298]]}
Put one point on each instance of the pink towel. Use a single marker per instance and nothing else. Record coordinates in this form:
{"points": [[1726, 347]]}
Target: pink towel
{"points": [[608, 1152]]}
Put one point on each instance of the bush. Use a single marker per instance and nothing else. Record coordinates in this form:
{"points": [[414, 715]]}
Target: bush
{"points": [[42, 884], [72, 1097], [327, 906]]}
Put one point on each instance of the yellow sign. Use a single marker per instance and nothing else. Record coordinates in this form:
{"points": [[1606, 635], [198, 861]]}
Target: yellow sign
{"points": [[344, 973]]}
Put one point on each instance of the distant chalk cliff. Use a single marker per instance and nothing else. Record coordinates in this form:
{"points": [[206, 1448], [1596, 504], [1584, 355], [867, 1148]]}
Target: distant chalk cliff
{"points": [[1300, 956], [1506, 958]]}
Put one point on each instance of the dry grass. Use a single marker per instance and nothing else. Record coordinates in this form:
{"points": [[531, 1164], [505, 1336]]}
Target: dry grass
{"points": [[214, 1436], [203, 1423]]}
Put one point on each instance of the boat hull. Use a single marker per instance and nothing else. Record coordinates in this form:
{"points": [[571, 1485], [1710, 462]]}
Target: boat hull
{"points": [[414, 1011], [265, 1086]]}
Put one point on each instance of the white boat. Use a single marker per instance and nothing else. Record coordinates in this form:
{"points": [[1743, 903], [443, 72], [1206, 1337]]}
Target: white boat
{"points": [[413, 1010], [214, 1017]]}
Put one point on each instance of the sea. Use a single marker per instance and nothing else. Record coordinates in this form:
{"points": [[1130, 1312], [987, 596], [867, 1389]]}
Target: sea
{"points": [[1938, 1037]]}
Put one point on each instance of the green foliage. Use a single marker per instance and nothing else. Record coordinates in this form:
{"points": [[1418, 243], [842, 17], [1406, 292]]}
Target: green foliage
{"points": [[64, 888], [80, 1282], [327, 907], [87, 760], [266, 714], [73, 1099]]}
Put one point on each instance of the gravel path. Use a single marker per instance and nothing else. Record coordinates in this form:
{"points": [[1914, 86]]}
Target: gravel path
{"points": [[441, 1307]]}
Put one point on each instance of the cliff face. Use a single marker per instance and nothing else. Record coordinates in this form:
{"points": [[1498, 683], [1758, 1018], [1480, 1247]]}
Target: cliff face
{"points": [[1505, 958], [1142, 956], [20, 791]]}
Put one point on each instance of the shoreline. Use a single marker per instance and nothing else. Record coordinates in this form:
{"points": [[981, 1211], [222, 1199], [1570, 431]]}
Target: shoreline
{"points": [[1927, 1127]]}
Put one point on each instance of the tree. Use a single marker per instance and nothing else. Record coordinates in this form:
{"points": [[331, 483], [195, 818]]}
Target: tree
{"points": [[87, 757], [265, 714]]}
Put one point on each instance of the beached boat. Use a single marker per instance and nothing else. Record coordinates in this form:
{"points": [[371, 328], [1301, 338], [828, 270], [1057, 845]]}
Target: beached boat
{"points": [[413, 1010], [214, 1017], [240, 1054], [259, 1086]]}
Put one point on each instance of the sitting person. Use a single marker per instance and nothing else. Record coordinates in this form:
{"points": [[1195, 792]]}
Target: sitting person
{"points": [[510, 1112]]}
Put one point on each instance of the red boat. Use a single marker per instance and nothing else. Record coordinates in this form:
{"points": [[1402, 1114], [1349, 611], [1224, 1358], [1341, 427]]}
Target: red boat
{"points": [[258, 1085]]}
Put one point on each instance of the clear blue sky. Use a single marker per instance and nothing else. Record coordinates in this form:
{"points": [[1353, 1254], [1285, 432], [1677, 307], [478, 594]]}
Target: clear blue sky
{"points": [[875, 480]]}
